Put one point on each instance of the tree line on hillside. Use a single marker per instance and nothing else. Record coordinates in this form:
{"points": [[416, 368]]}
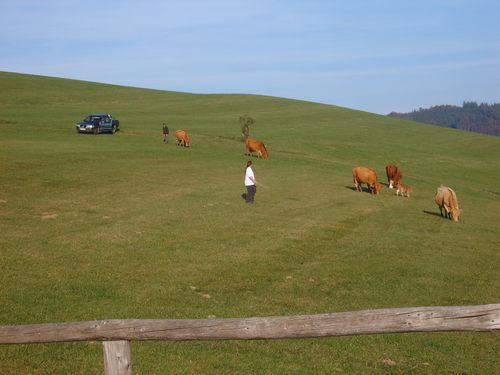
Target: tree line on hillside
{"points": [[480, 118]]}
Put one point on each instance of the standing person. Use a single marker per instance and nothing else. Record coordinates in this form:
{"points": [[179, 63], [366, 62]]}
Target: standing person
{"points": [[165, 133], [250, 183]]}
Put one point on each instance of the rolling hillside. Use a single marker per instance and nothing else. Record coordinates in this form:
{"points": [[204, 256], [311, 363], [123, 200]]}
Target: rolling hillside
{"points": [[123, 226]]}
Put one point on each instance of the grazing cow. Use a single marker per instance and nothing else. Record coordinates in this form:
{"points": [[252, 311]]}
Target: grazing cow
{"points": [[404, 190], [363, 175], [182, 138], [446, 199], [394, 175], [253, 145]]}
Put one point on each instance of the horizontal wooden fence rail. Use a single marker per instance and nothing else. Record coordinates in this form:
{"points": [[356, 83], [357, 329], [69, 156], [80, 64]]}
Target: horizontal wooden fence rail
{"points": [[118, 333], [413, 319]]}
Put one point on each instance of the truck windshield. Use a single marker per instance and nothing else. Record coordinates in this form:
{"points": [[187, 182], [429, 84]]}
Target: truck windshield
{"points": [[92, 118]]}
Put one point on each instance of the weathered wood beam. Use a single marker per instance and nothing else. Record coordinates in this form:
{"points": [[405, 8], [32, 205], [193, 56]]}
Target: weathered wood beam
{"points": [[412, 319], [117, 358]]}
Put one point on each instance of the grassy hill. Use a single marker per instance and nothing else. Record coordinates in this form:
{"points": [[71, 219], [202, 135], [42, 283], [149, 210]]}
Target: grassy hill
{"points": [[123, 226]]}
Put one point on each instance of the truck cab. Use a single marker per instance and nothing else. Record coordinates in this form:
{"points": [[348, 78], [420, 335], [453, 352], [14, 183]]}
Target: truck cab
{"points": [[98, 123]]}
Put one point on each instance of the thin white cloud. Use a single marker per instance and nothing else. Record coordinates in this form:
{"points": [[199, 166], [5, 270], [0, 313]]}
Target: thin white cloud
{"points": [[293, 48]]}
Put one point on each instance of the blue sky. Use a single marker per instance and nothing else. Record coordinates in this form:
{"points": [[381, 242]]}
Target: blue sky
{"points": [[373, 55]]}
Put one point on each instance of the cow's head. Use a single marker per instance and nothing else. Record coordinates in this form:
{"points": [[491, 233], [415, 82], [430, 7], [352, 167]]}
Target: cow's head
{"points": [[376, 188], [455, 213], [263, 153]]}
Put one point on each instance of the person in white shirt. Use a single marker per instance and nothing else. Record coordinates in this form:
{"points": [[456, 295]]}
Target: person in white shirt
{"points": [[250, 183]]}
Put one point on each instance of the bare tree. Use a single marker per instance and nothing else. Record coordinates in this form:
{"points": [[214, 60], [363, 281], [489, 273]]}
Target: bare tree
{"points": [[246, 122]]}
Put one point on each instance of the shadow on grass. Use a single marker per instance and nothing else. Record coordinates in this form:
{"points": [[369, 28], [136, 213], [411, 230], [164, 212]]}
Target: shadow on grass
{"points": [[363, 189], [433, 213]]}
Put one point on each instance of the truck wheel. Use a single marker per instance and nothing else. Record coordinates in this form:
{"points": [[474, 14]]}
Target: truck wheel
{"points": [[113, 129]]}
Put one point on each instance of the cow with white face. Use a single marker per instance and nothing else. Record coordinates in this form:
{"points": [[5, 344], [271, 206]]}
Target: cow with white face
{"points": [[394, 175]]}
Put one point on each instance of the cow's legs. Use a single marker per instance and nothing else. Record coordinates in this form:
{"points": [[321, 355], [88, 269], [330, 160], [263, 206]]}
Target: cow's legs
{"points": [[356, 185]]}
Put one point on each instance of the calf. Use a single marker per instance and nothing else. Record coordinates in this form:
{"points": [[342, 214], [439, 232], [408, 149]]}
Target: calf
{"points": [[404, 190]]}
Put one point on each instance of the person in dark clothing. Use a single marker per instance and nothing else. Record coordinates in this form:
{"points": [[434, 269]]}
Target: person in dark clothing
{"points": [[165, 133]]}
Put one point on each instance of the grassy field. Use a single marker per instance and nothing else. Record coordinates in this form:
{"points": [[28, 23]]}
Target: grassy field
{"points": [[123, 226]]}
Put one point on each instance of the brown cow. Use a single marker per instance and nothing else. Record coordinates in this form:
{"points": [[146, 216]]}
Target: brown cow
{"points": [[394, 175], [253, 145], [363, 175], [446, 199], [182, 138]]}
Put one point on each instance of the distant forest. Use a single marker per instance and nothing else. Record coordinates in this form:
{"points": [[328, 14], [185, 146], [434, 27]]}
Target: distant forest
{"points": [[481, 118]]}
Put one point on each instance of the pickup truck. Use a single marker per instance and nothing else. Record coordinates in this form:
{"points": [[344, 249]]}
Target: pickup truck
{"points": [[98, 123]]}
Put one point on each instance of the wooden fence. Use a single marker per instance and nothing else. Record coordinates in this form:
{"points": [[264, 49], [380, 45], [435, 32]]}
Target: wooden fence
{"points": [[117, 334]]}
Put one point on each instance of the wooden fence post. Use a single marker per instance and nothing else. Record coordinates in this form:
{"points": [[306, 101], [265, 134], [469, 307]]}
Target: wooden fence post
{"points": [[117, 358]]}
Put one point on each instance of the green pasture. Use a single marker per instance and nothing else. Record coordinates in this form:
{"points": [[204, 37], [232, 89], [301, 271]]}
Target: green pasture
{"points": [[123, 226]]}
